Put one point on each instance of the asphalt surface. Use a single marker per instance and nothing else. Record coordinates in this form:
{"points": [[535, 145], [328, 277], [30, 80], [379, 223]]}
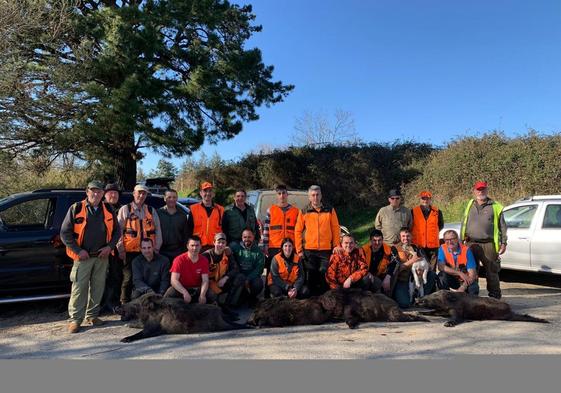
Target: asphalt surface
{"points": [[38, 330]]}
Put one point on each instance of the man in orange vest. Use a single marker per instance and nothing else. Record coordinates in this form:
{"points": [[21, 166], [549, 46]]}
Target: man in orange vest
{"points": [[206, 217], [377, 255], [457, 266], [317, 232], [89, 232], [427, 223], [137, 221], [280, 222]]}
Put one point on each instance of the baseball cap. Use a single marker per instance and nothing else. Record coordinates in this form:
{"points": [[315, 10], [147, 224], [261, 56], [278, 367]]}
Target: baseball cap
{"points": [[479, 185], [425, 194], [393, 193], [219, 236], [95, 184], [205, 185], [112, 187], [141, 187]]}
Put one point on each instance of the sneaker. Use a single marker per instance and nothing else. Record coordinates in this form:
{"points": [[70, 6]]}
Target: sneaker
{"points": [[95, 321], [73, 327]]}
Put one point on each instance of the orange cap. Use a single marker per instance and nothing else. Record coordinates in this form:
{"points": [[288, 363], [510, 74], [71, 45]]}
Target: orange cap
{"points": [[425, 194], [205, 185]]}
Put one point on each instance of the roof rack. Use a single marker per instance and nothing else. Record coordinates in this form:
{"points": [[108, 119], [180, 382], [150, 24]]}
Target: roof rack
{"points": [[58, 189]]}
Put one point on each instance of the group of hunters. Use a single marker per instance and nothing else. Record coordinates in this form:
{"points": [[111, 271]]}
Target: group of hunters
{"points": [[214, 255]]}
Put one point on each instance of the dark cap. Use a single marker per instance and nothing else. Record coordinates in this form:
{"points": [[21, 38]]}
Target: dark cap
{"points": [[95, 184], [112, 187], [394, 192]]}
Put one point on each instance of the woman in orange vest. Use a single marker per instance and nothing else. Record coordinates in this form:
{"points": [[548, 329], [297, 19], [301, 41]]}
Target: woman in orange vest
{"points": [[287, 276], [457, 265], [427, 223]]}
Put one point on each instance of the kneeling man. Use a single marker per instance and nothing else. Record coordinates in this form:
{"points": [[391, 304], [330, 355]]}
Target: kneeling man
{"points": [[456, 265], [348, 268], [189, 275], [150, 271]]}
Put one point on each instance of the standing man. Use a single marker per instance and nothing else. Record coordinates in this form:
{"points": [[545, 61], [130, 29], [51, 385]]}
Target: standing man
{"points": [[348, 269], [250, 261], [377, 255], [189, 275], [457, 266], [206, 217], [115, 269], [137, 221], [89, 232], [484, 231], [279, 224], [150, 271], [175, 230], [238, 217], [317, 232], [427, 223], [390, 219]]}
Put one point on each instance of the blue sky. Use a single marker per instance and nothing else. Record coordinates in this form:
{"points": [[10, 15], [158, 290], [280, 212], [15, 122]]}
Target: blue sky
{"points": [[419, 70]]}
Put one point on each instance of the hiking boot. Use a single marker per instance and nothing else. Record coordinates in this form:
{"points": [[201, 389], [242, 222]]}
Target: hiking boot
{"points": [[95, 321], [496, 295], [73, 327]]}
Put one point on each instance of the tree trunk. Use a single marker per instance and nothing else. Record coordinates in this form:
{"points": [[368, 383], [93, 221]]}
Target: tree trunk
{"points": [[125, 171]]}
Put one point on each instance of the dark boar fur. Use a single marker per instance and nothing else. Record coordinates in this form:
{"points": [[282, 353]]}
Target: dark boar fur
{"points": [[159, 316], [356, 305], [460, 306], [282, 311]]}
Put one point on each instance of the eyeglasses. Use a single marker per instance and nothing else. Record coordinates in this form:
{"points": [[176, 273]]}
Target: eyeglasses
{"points": [[449, 240], [394, 198], [425, 198]]}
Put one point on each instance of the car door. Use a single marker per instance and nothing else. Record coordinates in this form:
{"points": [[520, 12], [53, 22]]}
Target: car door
{"points": [[546, 242], [27, 254], [521, 225]]}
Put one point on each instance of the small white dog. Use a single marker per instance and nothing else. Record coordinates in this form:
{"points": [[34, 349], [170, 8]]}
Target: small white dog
{"points": [[420, 271]]}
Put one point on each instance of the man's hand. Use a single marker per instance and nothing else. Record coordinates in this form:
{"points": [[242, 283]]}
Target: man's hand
{"points": [[301, 254], [464, 278], [187, 297], [228, 251], [202, 299], [348, 282], [83, 255], [266, 250], [222, 281], [338, 250], [386, 284], [104, 252], [502, 249], [292, 292]]}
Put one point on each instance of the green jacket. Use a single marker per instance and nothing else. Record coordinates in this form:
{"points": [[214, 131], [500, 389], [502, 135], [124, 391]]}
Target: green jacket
{"points": [[233, 223], [250, 261], [497, 211]]}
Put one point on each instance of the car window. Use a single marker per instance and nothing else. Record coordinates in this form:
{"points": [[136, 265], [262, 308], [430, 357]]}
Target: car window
{"points": [[552, 217], [32, 215], [520, 216]]}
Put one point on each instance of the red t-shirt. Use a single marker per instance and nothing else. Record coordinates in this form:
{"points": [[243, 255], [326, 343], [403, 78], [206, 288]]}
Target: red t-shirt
{"points": [[189, 273]]}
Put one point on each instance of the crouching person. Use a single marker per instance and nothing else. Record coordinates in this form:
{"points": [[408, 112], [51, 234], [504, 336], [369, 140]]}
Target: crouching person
{"points": [[457, 266], [251, 262], [189, 275], [287, 275], [404, 255], [224, 278], [348, 268], [150, 271]]}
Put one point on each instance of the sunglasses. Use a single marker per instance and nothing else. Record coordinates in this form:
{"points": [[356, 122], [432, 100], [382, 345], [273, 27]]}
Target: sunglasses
{"points": [[393, 198], [425, 198]]}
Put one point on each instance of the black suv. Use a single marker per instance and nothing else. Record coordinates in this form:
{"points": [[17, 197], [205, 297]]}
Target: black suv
{"points": [[33, 261]]}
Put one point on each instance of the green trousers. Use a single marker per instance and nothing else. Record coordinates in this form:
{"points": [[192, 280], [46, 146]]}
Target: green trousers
{"points": [[88, 283]]}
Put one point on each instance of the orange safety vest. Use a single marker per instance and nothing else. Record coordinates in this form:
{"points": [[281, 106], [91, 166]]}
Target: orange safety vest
{"points": [[424, 233], [461, 257], [204, 226], [289, 278], [282, 225], [80, 222], [383, 265], [135, 230], [216, 272]]}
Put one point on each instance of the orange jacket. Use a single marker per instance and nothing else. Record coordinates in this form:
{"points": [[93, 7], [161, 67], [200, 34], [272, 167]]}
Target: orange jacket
{"points": [[204, 226], [135, 229], [317, 230], [282, 225], [424, 233], [289, 278], [383, 265], [342, 267], [80, 222], [216, 271], [462, 257]]}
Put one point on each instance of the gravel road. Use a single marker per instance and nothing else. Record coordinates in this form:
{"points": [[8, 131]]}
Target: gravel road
{"points": [[38, 331]]}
